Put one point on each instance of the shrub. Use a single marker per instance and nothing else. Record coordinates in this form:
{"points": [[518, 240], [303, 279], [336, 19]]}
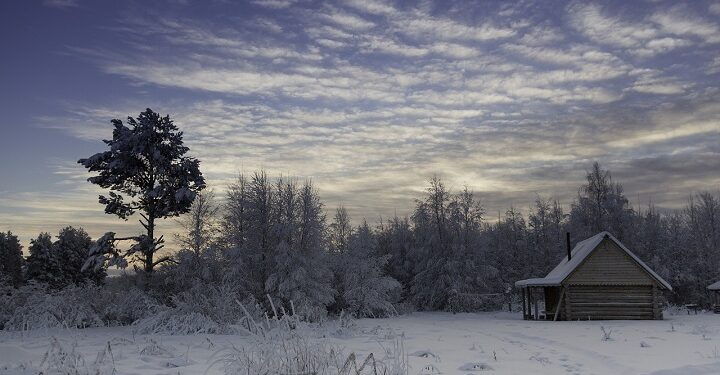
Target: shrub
{"points": [[212, 310], [37, 307], [125, 307]]}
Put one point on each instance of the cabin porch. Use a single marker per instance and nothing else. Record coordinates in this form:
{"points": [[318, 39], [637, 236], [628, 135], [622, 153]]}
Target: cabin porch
{"points": [[542, 302]]}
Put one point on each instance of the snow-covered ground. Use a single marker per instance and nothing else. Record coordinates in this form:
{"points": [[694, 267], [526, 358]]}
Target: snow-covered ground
{"points": [[498, 343]]}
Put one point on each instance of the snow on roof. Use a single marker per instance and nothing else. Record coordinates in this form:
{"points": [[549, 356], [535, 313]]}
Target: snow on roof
{"points": [[578, 254], [715, 286]]}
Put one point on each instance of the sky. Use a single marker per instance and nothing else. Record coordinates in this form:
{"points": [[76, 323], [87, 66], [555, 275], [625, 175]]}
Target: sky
{"points": [[368, 99]]}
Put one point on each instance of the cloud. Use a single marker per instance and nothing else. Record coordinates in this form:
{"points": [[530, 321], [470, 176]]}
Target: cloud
{"points": [[578, 55], [372, 6], [714, 8], [713, 67], [652, 82], [592, 21], [658, 33], [419, 23], [662, 45], [62, 3], [677, 21], [371, 98], [274, 4], [349, 21]]}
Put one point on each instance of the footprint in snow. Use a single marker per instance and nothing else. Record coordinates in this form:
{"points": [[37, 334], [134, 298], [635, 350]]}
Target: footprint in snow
{"points": [[429, 370], [476, 366], [423, 354]]}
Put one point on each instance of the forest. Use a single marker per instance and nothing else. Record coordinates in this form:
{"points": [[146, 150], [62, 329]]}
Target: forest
{"points": [[269, 243]]}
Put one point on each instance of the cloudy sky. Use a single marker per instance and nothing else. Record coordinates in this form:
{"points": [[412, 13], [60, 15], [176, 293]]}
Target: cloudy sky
{"points": [[368, 99]]}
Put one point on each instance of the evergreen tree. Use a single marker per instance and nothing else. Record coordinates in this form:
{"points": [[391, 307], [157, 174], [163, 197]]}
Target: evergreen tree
{"points": [[71, 250], [145, 170], [60, 263], [43, 264], [11, 260]]}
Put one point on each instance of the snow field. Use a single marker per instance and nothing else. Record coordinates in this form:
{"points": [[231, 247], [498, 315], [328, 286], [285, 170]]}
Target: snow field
{"points": [[435, 343]]}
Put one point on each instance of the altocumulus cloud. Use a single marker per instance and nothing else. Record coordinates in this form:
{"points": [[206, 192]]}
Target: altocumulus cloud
{"points": [[370, 98]]}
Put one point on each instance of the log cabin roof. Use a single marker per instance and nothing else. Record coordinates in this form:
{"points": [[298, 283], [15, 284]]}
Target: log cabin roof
{"points": [[578, 254], [715, 286]]}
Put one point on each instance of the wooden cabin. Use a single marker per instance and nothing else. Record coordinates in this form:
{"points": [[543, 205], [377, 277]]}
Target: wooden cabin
{"points": [[715, 290], [599, 279]]}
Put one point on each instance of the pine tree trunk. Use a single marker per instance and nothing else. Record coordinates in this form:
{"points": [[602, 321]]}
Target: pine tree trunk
{"points": [[150, 250]]}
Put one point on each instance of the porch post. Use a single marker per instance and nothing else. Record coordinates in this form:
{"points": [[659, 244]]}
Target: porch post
{"points": [[523, 304], [529, 302]]}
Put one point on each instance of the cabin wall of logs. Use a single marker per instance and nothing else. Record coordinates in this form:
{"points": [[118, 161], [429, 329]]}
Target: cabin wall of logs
{"points": [[608, 284]]}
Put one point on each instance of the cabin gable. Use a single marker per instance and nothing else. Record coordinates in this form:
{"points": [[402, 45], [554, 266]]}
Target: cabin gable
{"points": [[608, 264]]}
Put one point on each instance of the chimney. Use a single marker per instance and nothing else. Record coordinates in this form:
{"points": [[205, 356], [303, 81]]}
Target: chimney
{"points": [[569, 249]]}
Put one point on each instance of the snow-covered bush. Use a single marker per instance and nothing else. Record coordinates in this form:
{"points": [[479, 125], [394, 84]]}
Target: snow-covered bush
{"points": [[38, 307], [65, 359], [280, 344], [213, 309], [288, 344], [287, 353], [11, 299], [125, 307]]}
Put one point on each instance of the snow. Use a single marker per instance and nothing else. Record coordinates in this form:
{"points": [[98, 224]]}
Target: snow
{"points": [[578, 254], [714, 286], [474, 343]]}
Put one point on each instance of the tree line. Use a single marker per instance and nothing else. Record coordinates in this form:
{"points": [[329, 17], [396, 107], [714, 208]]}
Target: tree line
{"points": [[269, 236]]}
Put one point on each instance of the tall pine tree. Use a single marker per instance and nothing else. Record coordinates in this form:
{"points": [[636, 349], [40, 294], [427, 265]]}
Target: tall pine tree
{"points": [[146, 170]]}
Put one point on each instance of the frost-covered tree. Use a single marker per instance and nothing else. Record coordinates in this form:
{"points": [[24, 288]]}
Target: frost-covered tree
{"points": [[396, 239], [246, 231], [339, 233], [448, 241], [234, 226], [200, 226], [274, 241], [198, 263], [260, 243], [601, 205], [546, 229], [146, 170], [702, 220], [71, 249], [301, 274], [340, 230], [366, 290], [43, 264], [11, 260], [509, 247], [60, 263]]}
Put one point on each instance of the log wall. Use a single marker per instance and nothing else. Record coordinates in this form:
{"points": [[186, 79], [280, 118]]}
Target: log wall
{"points": [[603, 302]]}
